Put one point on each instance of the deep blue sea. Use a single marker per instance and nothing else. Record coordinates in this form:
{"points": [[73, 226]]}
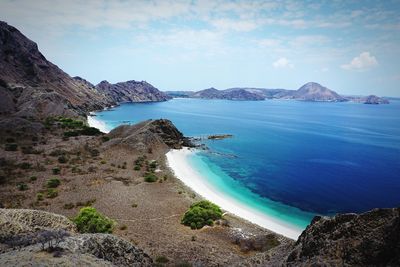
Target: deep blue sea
{"points": [[321, 158]]}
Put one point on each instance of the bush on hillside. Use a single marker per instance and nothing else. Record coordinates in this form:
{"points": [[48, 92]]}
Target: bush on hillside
{"points": [[89, 220], [150, 177], [200, 214], [53, 183]]}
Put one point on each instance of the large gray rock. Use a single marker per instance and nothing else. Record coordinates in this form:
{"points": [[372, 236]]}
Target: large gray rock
{"points": [[368, 239]]}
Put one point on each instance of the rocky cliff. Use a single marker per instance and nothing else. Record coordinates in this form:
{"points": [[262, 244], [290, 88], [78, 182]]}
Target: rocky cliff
{"points": [[131, 91], [368, 239], [31, 86]]}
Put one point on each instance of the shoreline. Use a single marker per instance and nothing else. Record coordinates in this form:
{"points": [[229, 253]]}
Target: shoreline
{"points": [[177, 162], [93, 122]]}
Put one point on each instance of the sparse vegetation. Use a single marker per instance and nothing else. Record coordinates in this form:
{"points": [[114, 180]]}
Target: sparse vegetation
{"points": [[105, 138], [62, 159], [39, 196], [89, 220], [33, 178], [200, 214], [103, 162], [69, 206], [51, 193], [53, 183], [11, 147], [25, 165], [56, 170], [134, 205], [162, 259], [22, 187]]}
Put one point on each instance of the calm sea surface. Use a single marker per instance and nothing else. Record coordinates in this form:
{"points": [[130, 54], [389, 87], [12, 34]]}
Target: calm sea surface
{"points": [[291, 156]]}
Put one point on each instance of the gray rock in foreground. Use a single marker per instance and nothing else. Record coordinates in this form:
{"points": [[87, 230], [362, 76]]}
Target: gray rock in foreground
{"points": [[367, 239]]}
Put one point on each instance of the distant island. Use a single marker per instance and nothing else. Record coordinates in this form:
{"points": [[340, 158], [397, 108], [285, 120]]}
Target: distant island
{"points": [[311, 91]]}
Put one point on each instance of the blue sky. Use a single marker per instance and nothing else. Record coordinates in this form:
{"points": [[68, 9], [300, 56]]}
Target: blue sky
{"points": [[352, 47]]}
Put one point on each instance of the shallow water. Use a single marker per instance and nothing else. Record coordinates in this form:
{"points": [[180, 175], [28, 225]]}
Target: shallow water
{"points": [[289, 156]]}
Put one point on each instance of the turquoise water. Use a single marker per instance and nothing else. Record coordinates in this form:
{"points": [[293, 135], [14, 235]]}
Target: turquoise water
{"points": [[289, 159]]}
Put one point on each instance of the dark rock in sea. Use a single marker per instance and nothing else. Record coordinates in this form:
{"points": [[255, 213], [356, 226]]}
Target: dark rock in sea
{"points": [[367, 239], [373, 99], [131, 91], [149, 134]]}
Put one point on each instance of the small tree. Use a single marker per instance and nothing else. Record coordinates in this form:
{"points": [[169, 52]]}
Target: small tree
{"points": [[201, 213], [89, 220]]}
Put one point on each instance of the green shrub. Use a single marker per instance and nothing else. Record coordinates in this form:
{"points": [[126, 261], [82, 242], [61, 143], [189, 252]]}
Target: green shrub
{"points": [[25, 165], [137, 168], [11, 147], [90, 131], [53, 183], [162, 259], [89, 220], [150, 177], [134, 205], [200, 214], [69, 206], [105, 138], [62, 159], [39, 196], [51, 193], [22, 187], [71, 133], [103, 162], [33, 178], [56, 170]]}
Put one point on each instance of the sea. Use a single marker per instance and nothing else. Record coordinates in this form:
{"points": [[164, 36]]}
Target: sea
{"points": [[289, 159]]}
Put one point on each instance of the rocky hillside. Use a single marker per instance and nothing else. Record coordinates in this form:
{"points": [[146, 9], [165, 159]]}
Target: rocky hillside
{"points": [[368, 239], [131, 91], [27, 230], [31, 86], [150, 133], [315, 92]]}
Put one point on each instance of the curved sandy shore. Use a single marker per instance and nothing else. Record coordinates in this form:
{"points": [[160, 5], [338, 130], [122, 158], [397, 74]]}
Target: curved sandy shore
{"points": [[93, 122], [177, 161]]}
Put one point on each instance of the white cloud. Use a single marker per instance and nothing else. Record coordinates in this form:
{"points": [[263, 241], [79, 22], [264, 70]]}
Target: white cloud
{"points": [[282, 63], [235, 25], [362, 62]]}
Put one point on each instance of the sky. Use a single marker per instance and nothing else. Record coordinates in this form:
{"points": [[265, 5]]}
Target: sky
{"points": [[352, 47]]}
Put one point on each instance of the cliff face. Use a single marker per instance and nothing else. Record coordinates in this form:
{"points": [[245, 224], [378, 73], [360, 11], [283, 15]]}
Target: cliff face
{"points": [[31, 86], [368, 239], [131, 91]]}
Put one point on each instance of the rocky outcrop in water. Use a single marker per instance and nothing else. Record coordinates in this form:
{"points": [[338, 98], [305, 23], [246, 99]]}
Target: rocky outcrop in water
{"points": [[367, 239], [131, 91], [148, 134], [373, 99]]}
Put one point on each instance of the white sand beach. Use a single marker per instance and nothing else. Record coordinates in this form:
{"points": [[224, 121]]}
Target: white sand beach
{"points": [[93, 122], [177, 161]]}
